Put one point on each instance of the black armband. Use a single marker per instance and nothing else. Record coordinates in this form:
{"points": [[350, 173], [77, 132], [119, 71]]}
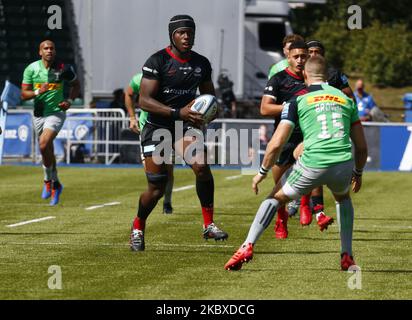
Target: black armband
{"points": [[357, 172]]}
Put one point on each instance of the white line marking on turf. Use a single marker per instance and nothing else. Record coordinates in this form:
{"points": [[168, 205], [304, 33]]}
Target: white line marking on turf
{"points": [[103, 205], [184, 188], [233, 177], [158, 244], [30, 221]]}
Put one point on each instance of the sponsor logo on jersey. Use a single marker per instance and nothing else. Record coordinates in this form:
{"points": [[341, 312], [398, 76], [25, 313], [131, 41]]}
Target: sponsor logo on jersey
{"points": [[52, 86], [198, 72], [57, 75], [185, 69], [172, 72], [154, 71], [326, 98], [179, 92]]}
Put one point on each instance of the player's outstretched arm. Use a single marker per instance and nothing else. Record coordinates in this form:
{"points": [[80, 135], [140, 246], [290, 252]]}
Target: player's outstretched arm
{"points": [[273, 149], [361, 154]]}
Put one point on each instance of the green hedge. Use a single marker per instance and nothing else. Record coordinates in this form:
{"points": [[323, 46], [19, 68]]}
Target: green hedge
{"points": [[381, 53]]}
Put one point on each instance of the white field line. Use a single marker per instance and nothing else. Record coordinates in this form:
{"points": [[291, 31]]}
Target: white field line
{"points": [[29, 221], [212, 245], [374, 226], [103, 205], [184, 188], [233, 177]]}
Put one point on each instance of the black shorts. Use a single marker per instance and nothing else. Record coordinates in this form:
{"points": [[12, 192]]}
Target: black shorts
{"points": [[149, 142], [286, 156]]}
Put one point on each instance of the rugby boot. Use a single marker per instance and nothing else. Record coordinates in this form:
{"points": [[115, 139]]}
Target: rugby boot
{"points": [[281, 225], [324, 221], [213, 232], [167, 208], [137, 240], [346, 261], [242, 255], [57, 190], [46, 193]]}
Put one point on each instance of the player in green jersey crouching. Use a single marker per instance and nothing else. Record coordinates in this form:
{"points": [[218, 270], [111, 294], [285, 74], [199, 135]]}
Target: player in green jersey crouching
{"points": [[329, 121], [136, 125], [43, 80]]}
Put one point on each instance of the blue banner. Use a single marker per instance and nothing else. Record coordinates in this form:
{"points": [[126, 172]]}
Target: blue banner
{"points": [[18, 135], [9, 97], [396, 148], [77, 130]]}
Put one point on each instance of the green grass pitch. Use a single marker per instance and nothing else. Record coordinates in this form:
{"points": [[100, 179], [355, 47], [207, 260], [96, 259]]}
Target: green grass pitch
{"points": [[91, 246]]}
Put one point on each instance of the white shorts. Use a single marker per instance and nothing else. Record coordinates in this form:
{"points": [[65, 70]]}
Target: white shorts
{"points": [[300, 180], [52, 122]]}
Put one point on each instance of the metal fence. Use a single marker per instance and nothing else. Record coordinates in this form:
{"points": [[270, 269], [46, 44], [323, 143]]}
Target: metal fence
{"points": [[105, 136]]}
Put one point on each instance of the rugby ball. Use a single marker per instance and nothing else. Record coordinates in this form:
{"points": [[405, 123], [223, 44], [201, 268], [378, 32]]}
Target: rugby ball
{"points": [[206, 104]]}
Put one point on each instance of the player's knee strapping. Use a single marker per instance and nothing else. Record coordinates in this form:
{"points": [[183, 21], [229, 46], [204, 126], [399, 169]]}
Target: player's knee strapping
{"points": [[157, 178]]}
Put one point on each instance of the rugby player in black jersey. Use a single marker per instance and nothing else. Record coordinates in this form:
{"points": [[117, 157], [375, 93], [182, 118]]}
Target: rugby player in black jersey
{"points": [[170, 80], [280, 88]]}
